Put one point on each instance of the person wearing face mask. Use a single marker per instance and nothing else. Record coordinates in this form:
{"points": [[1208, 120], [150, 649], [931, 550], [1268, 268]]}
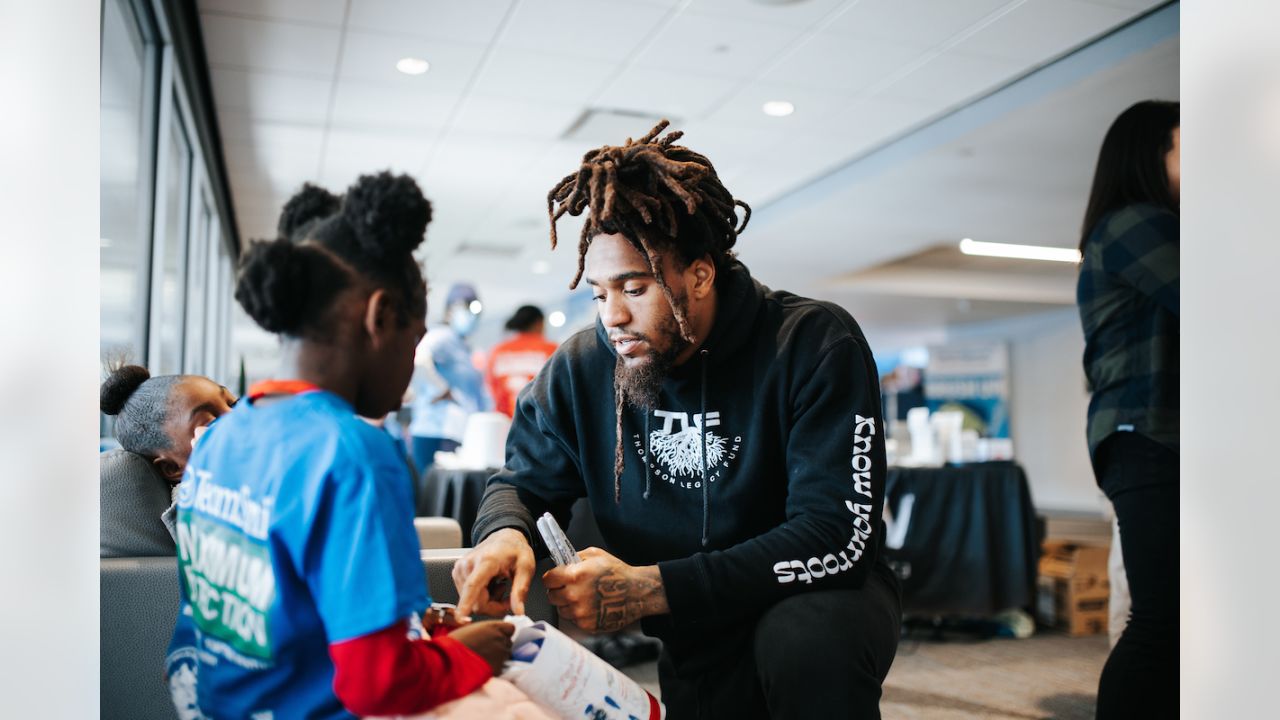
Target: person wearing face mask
{"points": [[447, 386]]}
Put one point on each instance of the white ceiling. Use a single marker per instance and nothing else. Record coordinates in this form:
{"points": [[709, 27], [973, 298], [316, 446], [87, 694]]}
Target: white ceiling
{"points": [[306, 90]]}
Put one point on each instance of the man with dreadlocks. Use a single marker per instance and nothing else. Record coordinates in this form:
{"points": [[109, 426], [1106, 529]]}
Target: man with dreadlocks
{"points": [[736, 470]]}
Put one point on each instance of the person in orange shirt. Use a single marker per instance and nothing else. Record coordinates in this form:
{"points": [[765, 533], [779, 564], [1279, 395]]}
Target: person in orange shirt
{"points": [[515, 361]]}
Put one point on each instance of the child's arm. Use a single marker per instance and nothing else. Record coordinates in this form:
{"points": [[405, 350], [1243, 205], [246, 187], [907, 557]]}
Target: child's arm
{"points": [[386, 673]]}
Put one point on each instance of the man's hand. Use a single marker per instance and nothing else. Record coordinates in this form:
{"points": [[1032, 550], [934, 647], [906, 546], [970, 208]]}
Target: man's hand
{"points": [[504, 555], [604, 594], [490, 640]]}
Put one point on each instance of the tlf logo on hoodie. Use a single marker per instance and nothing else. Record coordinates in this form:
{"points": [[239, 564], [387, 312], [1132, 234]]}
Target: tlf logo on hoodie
{"points": [[674, 448]]}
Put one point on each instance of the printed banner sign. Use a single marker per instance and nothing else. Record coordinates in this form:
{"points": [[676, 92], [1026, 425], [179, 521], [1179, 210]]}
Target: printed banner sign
{"points": [[972, 378]]}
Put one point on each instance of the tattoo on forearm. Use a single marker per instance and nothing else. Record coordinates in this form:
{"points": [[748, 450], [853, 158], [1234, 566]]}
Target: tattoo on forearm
{"points": [[622, 600], [611, 591]]}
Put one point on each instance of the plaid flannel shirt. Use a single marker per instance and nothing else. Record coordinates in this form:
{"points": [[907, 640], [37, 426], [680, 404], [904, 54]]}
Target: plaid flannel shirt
{"points": [[1128, 298]]}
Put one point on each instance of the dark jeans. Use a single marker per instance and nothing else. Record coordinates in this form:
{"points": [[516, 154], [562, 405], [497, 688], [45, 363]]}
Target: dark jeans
{"points": [[424, 451], [1140, 476], [820, 654]]}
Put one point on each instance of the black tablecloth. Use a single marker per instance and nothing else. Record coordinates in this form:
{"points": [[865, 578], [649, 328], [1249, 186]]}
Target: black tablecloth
{"points": [[453, 493], [971, 542]]}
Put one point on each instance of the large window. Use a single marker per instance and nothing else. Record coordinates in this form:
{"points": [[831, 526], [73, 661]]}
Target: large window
{"points": [[127, 130], [166, 258], [218, 314], [198, 271], [169, 280]]}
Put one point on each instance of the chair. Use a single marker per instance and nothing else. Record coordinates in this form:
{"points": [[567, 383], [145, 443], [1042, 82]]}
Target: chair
{"points": [[438, 532], [454, 493], [133, 497], [139, 605]]}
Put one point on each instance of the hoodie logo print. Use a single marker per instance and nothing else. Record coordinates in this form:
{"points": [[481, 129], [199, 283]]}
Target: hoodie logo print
{"points": [[673, 448], [678, 450]]}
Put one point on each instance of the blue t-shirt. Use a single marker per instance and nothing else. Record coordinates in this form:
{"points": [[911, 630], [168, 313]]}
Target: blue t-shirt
{"points": [[295, 530]]}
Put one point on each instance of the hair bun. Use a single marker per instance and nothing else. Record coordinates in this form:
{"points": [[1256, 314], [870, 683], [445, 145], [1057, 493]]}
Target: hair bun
{"points": [[310, 204], [273, 284], [119, 386], [388, 213]]}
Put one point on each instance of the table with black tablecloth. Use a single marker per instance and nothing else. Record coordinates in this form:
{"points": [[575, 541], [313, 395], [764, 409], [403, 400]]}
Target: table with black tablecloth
{"points": [[971, 541], [453, 493], [457, 493]]}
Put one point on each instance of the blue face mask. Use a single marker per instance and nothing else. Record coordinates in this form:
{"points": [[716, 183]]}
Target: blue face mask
{"points": [[463, 322]]}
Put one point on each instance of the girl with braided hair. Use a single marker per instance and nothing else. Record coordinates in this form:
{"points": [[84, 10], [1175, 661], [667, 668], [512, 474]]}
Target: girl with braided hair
{"points": [[736, 470], [300, 572]]}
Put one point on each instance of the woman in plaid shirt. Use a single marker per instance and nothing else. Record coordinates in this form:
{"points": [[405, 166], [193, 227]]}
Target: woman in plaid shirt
{"points": [[1128, 298]]}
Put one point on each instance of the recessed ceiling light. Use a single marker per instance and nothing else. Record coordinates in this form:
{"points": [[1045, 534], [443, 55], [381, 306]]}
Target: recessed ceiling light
{"points": [[475, 307], [413, 66], [1022, 252], [541, 267], [556, 318], [778, 108]]}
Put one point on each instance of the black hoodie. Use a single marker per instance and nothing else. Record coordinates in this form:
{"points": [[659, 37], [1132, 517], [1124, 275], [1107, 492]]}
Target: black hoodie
{"points": [[794, 458]]}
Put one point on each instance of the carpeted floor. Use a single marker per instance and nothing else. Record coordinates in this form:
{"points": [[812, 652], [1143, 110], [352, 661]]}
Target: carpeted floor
{"points": [[1049, 676], [1046, 676]]}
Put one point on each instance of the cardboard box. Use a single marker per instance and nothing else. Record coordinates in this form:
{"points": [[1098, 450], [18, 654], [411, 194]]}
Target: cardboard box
{"points": [[1072, 588]]}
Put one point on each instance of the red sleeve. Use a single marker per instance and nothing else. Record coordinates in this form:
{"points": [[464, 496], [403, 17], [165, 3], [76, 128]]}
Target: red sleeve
{"points": [[386, 673]]}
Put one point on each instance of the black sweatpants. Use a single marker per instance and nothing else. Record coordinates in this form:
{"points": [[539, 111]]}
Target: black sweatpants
{"points": [[821, 654], [1140, 476]]}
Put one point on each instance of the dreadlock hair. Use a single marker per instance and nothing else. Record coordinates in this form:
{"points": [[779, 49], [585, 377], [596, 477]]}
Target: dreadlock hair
{"points": [[662, 198], [288, 285], [307, 208], [140, 404]]}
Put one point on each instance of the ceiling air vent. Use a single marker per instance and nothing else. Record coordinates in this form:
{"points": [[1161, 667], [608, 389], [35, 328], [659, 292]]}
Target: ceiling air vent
{"points": [[610, 126]]}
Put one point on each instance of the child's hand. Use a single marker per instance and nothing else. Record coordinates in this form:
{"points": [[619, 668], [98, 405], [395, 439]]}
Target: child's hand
{"points": [[444, 615], [490, 639]]}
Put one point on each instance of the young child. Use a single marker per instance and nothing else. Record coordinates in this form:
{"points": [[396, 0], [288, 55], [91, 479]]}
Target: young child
{"points": [[299, 566]]}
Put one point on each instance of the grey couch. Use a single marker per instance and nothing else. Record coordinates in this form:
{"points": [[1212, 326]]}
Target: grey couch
{"points": [[139, 607], [133, 497]]}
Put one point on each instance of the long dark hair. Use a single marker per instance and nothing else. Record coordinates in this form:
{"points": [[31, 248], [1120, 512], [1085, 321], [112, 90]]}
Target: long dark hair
{"points": [[1131, 165]]}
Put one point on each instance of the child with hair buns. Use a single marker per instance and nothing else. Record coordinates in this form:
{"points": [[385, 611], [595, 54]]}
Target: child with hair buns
{"points": [[300, 574]]}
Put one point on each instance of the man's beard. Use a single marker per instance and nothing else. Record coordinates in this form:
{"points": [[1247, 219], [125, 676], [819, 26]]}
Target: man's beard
{"points": [[638, 386]]}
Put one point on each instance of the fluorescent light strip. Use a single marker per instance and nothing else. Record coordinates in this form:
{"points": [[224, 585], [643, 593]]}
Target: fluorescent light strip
{"points": [[1024, 252]]}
